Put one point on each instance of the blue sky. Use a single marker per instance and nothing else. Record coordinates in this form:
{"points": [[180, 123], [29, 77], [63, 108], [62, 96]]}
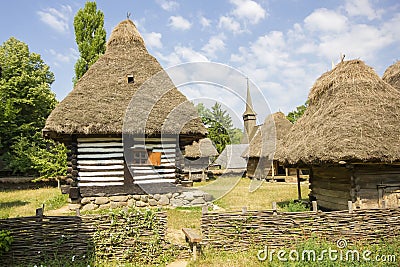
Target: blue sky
{"points": [[282, 46]]}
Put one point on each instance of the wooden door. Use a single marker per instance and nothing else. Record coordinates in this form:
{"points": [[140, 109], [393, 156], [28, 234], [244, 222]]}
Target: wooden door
{"points": [[155, 158]]}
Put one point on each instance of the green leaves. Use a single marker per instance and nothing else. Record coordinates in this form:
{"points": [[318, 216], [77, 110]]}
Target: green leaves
{"points": [[90, 37], [294, 115], [6, 240], [26, 100], [219, 125]]}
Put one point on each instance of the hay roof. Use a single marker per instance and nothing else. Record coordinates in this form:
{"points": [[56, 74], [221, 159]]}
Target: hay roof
{"points": [[353, 115], [392, 75], [203, 148], [275, 127], [98, 102]]}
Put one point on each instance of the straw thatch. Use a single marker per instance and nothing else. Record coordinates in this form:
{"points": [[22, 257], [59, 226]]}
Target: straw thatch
{"points": [[275, 127], [353, 115], [98, 103], [203, 148], [392, 75]]}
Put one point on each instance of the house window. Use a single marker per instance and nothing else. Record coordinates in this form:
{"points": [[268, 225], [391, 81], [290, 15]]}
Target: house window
{"points": [[130, 78], [140, 156]]}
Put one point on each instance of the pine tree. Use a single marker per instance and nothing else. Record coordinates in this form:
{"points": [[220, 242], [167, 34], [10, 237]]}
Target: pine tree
{"points": [[90, 37]]}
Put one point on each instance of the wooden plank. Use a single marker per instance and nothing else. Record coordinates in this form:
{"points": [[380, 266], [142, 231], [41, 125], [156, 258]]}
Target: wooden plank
{"points": [[100, 150], [164, 139], [101, 162], [332, 193], [154, 181], [339, 200], [167, 150], [111, 144], [98, 139], [101, 156], [100, 179], [332, 206], [153, 176], [80, 184], [109, 173], [192, 235], [100, 167], [154, 170]]}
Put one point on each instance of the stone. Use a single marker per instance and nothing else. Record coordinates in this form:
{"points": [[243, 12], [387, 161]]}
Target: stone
{"points": [[131, 203], [153, 202], [73, 207], [208, 197], [101, 200], [168, 195], [188, 196], [140, 204], [119, 198], [176, 202], [144, 198], [105, 206], [136, 197], [150, 196], [157, 197], [86, 200], [174, 195], [89, 207], [118, 204], [198, 193], [163, 201], [198, 201]]}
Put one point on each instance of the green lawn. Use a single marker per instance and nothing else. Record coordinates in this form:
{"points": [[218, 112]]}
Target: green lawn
{"points": [[19, 203]]}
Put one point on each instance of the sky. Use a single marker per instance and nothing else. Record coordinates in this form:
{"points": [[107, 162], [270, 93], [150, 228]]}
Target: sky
{"points": [[282, 46]]}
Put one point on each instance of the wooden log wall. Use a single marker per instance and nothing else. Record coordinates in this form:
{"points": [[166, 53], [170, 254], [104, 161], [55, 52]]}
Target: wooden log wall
{"points": [[166, 170], [39, 238], [100, 161], [241, 230]]}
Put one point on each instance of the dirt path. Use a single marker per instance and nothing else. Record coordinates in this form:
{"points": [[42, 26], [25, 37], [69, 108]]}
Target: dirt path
{"points": [[178, 263]]}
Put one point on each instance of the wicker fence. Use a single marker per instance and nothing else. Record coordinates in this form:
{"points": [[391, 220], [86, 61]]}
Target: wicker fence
{"points": [[123, 236], [240, 230]]}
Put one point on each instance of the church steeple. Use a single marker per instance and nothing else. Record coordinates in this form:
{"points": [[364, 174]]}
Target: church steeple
{"points": [[249, 118]]}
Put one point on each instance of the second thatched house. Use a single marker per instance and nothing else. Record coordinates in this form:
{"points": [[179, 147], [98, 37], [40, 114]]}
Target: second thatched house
{"points": [[261, 162], [123, 131], [349, 138], [392, 75]]}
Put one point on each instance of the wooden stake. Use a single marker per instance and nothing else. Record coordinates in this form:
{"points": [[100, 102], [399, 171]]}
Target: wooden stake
{"points": [[298, 184], [314, 206]]}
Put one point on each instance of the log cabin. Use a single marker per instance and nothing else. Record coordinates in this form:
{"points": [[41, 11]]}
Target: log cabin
{"points": [[261, 162], [124, 128], [349, 138], [198, 156]]}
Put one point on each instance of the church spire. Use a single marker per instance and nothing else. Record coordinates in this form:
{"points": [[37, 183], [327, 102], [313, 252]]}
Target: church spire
{"points": [[249, 118]]}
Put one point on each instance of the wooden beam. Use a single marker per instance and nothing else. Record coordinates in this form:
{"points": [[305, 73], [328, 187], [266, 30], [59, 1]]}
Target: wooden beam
{"points": [[298, 183]]}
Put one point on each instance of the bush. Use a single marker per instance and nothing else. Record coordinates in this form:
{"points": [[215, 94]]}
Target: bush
{"points": [[6, 240], [295, 206]]}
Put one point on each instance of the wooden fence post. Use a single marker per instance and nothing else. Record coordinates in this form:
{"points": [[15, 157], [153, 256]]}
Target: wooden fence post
{"points": [[78, 212], [204, 209], [350, 206], [298, 184], [274, 208], [244, 210], [39, 214], [314, 206]]}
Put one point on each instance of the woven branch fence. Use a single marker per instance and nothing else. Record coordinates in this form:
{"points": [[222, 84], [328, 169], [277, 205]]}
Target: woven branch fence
{"points": [[123, 236], [238, 231]]}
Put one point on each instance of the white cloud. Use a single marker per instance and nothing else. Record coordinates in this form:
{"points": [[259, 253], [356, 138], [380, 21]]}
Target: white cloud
{"points": [[182, 54], [58, 58], [215, 44], [179, 23], [362, 8], [326, 20], [249, 10], [168, 5], [228, 23], [153, 39], [205, 22], [57, 19]]}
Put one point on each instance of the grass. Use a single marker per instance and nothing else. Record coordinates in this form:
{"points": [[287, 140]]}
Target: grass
{"points": [[20, 203], [262, 198]]}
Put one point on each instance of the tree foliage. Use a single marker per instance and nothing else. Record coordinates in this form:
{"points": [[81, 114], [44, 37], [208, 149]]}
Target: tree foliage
{"points": [[294, 115], [25, 102], [90, 37], [219, 125]]}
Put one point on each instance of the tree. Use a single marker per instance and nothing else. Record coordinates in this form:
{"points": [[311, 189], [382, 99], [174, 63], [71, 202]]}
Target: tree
{"points": [[90, 37], [25, 102], [219, 126], [294, 115]]}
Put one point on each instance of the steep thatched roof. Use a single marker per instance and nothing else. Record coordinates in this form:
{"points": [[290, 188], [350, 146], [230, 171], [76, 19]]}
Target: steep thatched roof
{"points": [[203, 148], [353, 115], [275, 127], [392, 75], [98, 102]]}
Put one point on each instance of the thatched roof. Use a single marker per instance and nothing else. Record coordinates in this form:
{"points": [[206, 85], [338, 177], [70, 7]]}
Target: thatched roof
{"points": [[353, 115], [392, 75], [275, 127], [203, 148], [98, 102]]}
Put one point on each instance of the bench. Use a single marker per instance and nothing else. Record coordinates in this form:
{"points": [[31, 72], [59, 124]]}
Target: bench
{"points": [[194, 239]]}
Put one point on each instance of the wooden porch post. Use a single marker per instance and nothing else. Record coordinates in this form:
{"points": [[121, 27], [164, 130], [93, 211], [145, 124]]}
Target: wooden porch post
{"points": [[298, 183]]}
